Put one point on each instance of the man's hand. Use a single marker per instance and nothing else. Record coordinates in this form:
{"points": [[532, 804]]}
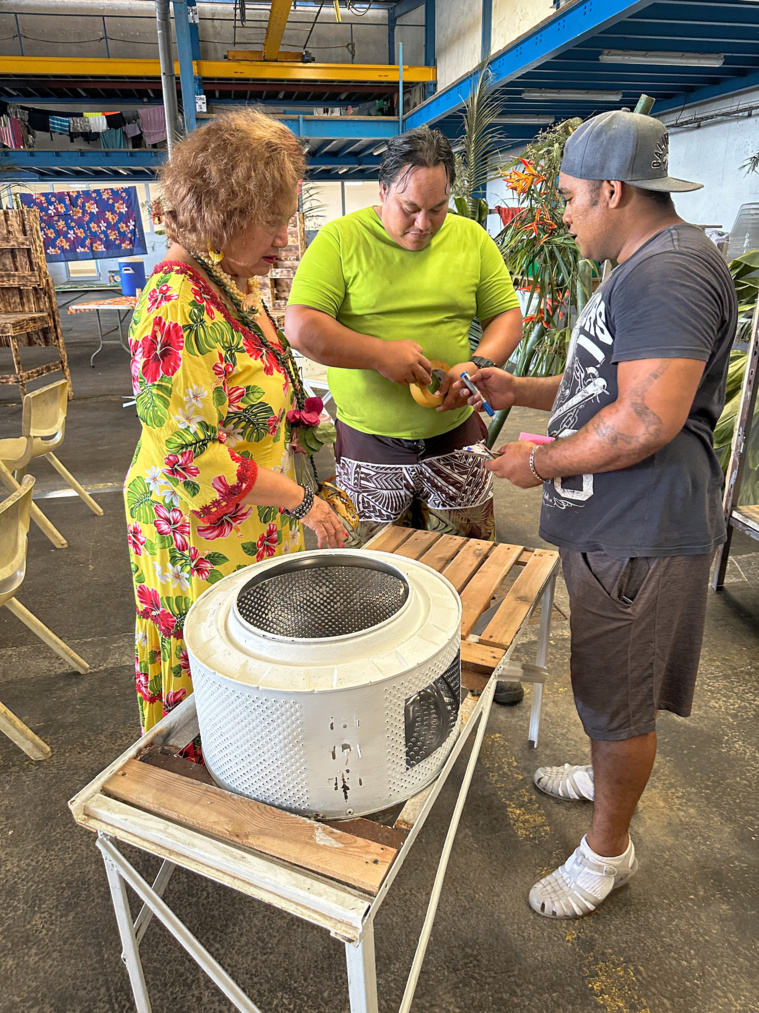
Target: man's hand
{"points": [[403, 362], [513, 463], [498, 387], [451, 400]]}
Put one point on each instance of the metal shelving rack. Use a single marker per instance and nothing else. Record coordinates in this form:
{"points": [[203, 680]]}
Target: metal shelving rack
{"points": [[744, 450]]}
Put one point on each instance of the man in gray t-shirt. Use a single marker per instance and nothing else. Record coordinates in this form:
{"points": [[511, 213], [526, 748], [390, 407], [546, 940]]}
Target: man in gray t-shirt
{"points": [[631, 484]]}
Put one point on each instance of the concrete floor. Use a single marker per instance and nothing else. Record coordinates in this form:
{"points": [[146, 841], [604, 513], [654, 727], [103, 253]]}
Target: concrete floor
{"points": [[682, 937]]}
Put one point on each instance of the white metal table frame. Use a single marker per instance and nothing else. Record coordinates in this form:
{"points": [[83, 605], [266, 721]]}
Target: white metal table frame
{"points": [[102, 334], [347, 913]]}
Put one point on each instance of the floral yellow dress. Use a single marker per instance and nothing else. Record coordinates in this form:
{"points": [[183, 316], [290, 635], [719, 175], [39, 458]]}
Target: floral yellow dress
{"points": [[212, 400]]}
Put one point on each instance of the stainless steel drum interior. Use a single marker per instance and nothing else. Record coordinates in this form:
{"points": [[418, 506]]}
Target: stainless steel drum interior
{"points": [[319, 598]]}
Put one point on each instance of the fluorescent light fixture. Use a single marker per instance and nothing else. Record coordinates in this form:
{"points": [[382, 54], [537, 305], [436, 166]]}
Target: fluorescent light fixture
{"points": [[554, 95], [342, 169], [379, 148], [537, 120], [655, 57], [348, 183]]}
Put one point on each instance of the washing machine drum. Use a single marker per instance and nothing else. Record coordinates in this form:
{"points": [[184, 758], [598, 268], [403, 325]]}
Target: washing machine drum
{"points": [[327, 682]]}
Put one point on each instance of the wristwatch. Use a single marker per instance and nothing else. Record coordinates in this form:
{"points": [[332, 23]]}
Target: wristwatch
{"points": [[482, 363], [300, 511]]}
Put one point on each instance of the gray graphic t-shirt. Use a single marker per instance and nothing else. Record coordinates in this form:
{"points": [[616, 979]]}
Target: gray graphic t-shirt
{"points": [[674, 298]]}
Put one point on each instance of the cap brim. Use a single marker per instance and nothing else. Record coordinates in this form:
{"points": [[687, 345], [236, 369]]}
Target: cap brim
{"points": [[668, 183]]}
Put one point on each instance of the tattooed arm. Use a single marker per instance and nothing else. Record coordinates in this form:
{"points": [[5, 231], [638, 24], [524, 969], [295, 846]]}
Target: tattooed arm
{"points": [[653, 401]]}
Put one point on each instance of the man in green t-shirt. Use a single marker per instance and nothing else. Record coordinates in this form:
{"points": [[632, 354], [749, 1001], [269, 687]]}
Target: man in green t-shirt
{"points": [[379, 296]]}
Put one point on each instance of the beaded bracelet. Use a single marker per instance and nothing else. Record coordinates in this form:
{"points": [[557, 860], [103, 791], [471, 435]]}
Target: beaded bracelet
{"points": [[533, 469], [303, 508]]}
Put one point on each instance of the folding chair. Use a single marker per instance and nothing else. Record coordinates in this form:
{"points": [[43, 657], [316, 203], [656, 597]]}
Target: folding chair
{"points": [[44, 422], [14, 526]]}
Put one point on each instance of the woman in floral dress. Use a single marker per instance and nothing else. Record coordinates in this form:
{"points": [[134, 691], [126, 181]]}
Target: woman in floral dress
{"points": [[211, 487]]}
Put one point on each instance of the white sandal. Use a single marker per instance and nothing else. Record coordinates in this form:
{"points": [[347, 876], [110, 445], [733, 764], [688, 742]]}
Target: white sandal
{"points": [[578, 886], [567, 781]]}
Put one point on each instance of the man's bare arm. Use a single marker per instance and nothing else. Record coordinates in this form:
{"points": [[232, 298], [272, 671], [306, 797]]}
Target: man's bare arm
{"points": [[320, 337], [653, 402]]}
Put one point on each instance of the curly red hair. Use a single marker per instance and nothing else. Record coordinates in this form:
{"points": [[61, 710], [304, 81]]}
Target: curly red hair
{"points": [[241, 168]]}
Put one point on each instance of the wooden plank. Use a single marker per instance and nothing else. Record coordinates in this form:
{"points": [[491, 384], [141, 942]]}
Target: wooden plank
{"points": [[748, 514], [166, 760], [443, 551], [20, 279], [518, 603], [388, 541], [15, 243], [480, 657], [241, 821], [418, 544], [463, 565], [369, 830], [19, 323], [473, 680], [475, 597]]}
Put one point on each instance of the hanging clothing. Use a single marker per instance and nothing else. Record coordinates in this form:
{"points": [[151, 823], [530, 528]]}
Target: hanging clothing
{"points": [[79, 125], [95, 122], [112, 138], [10, 132], [213, 401], [132, 129], [153, 123], [114, 120], [39, 119], [59, 124]]}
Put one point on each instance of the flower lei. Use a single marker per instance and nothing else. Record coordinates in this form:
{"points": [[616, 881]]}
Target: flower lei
{"points": [[305, 418]]}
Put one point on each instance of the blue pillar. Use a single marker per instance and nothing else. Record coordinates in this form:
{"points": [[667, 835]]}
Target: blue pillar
{"points": [[391, 20], [184, 53], [429, 41], [487, 28]]}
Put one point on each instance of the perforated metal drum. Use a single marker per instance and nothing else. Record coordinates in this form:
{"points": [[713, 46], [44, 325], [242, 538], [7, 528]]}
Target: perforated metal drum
{"points": [[327, 683]]}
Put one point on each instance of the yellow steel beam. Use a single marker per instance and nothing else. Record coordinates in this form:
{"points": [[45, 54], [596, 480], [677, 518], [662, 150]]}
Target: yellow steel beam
{"points": [[278, 15], [257, 55], [37, 66]]}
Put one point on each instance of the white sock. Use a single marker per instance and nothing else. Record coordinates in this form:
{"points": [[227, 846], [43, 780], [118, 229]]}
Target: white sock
{"points": [[611, 860]]}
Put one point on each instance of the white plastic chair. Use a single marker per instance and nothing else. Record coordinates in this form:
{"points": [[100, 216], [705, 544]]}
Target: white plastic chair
{"points": [[15, 455], [14, 526], [43, 421]]}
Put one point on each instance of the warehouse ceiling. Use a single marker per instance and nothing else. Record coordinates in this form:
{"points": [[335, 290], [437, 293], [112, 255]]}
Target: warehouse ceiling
{"points": [[584, 52]]}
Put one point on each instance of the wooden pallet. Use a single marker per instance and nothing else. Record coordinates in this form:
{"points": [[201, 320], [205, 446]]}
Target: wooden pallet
{"points": [[28, 303], [494, 609]]}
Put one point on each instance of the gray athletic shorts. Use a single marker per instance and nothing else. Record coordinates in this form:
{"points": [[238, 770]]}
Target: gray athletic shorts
{"points": [[637, 626]]}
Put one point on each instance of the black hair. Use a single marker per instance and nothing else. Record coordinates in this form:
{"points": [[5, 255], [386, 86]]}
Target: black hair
{"points": [[661, 198], [418, 148]]}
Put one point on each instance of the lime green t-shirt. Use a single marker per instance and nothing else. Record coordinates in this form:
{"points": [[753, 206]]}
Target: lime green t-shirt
{"points": [[357, 274]]}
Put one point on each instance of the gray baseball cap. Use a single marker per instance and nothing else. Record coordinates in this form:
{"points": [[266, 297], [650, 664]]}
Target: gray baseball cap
{"points": [[626, 146]]}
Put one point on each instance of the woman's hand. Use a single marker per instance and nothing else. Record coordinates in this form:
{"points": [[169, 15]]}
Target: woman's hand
{"points": [[325, 524]]}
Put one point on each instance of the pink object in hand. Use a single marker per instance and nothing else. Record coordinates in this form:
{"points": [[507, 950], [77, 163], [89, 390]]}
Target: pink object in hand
{"points": [[534, 438]]}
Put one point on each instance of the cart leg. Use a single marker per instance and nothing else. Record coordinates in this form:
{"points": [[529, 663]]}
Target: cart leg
{"points": [[125, 873], [721, 559], [130, 953], [362, 973], [546, 607], [125, 346], [160, 883]]}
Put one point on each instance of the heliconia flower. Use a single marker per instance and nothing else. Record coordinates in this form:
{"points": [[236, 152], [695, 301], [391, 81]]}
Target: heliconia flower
{"points": [[173, 697]]}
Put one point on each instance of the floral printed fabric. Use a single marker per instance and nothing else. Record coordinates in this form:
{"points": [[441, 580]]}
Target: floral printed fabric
{"points": [[89, 224], [213, 402]]}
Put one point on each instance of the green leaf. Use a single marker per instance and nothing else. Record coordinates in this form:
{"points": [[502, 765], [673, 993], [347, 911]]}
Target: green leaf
{"points": [[139, 500], [214, 576], [266, 514], [192, 488], [197, 442], [216, 558], [164, 541], [177, 558], [165, 648], [249, 548], [134, 566], [252, 395], [155, 685], [149, 546], [153, 657], [153, 402], [252, 421], [139, 576], [176, 671], [219, 397]]}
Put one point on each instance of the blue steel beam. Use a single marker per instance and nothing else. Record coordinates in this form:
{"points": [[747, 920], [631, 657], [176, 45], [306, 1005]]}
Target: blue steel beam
{"points": [[728, 87], [184, 54], [487, 29], [570, 26], [140, 158], [406, 7]]}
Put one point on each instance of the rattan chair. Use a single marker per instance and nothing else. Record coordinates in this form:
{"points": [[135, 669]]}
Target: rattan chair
{"points": [[14, 526]]}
